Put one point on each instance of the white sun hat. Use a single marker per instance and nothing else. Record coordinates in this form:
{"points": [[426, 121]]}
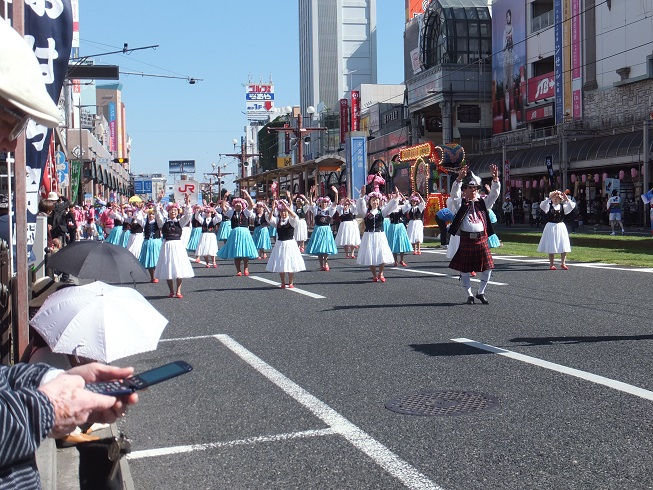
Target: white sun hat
{"points": [[21, 80]]}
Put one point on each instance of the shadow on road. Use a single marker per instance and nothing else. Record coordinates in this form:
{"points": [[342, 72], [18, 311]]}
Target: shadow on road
{"points": [[534, 341], [447, 349]]}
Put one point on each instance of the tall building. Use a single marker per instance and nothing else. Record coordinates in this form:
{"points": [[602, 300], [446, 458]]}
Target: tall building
{"points": [[337, 50]]}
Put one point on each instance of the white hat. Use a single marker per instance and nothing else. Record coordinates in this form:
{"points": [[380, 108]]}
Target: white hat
{"points": [[21, 80], [53, 196]]}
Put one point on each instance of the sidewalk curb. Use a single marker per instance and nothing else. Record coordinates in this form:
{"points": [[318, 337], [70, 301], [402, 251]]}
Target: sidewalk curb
{"points": [[127, 482]]}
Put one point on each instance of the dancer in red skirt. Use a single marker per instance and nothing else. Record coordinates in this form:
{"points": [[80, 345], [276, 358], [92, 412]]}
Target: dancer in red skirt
{"points": [[472, 224]]}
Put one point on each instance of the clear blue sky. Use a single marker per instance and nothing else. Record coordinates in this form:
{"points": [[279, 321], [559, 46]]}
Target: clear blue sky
{"points": [[222, 42]]}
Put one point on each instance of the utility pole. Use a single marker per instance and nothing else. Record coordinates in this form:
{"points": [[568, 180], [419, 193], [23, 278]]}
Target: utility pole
{"points": [[242, 156], [299, 132], [219, 174]]}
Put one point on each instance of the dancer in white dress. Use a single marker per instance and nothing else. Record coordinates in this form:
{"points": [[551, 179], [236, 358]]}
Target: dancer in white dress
{"points": [[135, 242], [208, 244], [374, 250], [286, 259], [555, 237], [301, 229], [173, 264], [414, 211], [348, 235]]}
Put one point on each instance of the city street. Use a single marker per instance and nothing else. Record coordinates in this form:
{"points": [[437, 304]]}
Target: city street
{"points": [[289, 387]]}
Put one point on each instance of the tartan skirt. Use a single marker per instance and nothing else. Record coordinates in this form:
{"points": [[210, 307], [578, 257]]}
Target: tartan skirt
{"points": [[473, 255]]}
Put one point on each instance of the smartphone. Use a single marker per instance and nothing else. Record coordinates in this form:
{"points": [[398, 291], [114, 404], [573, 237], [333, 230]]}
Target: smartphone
{"points": [[140, 381]]}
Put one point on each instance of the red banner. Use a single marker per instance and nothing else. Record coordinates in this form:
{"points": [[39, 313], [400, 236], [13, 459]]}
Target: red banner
{"points": [[355, 110], [344, 119], [537, 113], [542, 87]]}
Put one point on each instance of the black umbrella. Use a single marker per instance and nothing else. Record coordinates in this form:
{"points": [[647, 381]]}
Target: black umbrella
{"points": [[93, 259]]}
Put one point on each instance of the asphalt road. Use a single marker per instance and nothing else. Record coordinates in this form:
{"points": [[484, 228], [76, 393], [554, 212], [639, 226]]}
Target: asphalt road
{"points": [[289, 390]]}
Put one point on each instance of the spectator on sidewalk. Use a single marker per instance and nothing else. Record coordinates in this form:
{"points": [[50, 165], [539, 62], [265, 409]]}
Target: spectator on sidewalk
{"points": [[536, 213], [507, 209], [614, 207]]}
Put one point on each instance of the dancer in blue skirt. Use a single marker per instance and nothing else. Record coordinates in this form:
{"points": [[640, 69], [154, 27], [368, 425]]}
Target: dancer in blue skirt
{"points": [[262, 227], [397, 234], [240, 245], [151, 243], [225, 224], [116, 215], [128, 214], [322, 242], [195, 233]]}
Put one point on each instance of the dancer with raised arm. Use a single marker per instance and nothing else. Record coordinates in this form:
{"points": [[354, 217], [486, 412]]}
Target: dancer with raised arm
{"points": [[301, 229], [374, 250], [208, 244], [286, 259], [414, 211], [225, 224], [261, 235], [173, 264], [240, 245], [151, 248], [472, 224], [397, 234], [555, 237], [348, 235], [322, 242]]}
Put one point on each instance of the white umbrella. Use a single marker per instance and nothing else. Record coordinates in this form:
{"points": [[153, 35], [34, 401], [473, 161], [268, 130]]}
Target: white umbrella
{"points": [[98, 321]]}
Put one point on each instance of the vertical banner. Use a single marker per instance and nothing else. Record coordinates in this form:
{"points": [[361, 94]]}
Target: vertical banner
{"points": [[549, 170], [506, 176], [557, 60], [75, 176], [355, 110], [576, 80], [49, 31], [356, 163], [344, 119], [112, 127], [566, 57]]}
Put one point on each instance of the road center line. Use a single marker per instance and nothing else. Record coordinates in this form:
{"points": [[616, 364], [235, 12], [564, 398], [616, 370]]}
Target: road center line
{"points": [[440, 274], [165, 451], [295, 289], [594, 378], [380, 454]]}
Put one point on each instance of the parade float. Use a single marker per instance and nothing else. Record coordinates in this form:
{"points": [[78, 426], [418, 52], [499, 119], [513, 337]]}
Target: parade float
{"points": [[427, 169]]}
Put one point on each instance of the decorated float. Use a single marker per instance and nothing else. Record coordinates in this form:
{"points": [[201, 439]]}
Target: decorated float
{"points": [[427, 169]]}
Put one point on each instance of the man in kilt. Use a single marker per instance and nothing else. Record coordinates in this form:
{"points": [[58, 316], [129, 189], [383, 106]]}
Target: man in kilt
{"points": [[472, 224]]}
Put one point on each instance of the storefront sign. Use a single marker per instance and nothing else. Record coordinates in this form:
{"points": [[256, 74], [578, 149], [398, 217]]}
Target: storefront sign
{"points": [[542, 87], [538, 113]]}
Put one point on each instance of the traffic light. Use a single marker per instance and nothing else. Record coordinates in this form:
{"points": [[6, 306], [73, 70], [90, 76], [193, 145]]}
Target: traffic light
{"points": [[121, 160]]}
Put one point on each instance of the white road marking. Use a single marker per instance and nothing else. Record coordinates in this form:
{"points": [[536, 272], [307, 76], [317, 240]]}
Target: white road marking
{"points": [[166, 451], [440, 274], [594, 378], [295, 289], [380, 454], [188, 338]]}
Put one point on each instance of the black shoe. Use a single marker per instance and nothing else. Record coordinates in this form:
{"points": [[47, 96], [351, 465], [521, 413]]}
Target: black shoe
{"points": [[470, 300], [482, 299]]}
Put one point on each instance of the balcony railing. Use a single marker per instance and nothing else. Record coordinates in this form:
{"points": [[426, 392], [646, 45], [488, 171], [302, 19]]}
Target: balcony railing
{"points": [[542, 21]]}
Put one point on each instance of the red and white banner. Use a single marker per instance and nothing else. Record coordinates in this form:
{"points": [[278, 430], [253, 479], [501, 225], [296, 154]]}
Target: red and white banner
{"points": [[542, 87], [538, 113], [355, 110], [344, 119]]}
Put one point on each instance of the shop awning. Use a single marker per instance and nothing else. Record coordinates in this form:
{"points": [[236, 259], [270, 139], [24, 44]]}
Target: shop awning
{"points": [[601, 151]]}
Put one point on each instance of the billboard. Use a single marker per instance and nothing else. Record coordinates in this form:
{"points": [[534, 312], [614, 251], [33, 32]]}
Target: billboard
{"points": [[181, 166], [259, 101], [541, 88], [508, 65], [415, 8]]}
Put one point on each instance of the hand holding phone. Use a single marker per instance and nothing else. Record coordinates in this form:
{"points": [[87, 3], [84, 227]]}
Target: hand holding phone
{"points": [[140, 381]]}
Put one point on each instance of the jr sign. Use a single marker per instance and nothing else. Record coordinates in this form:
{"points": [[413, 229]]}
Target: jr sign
{"points": [[187, 187]]}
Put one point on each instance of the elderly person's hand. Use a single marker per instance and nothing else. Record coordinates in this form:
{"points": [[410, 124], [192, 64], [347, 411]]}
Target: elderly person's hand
{"points": [[74, 406]]}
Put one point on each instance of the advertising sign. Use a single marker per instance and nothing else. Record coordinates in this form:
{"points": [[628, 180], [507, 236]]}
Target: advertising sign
{"points": [[542, 87], [75, 174], [549, 169], [187, 187], [508, 64], [259, 100], [61, 166], [576, 81], [557, 60], [355, 110], [181, 166], [284, 162], [539, 113], [344, 119], [415, 8]]}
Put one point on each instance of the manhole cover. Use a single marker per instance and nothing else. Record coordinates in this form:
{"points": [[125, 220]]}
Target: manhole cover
{"points": [[445, 403]]}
